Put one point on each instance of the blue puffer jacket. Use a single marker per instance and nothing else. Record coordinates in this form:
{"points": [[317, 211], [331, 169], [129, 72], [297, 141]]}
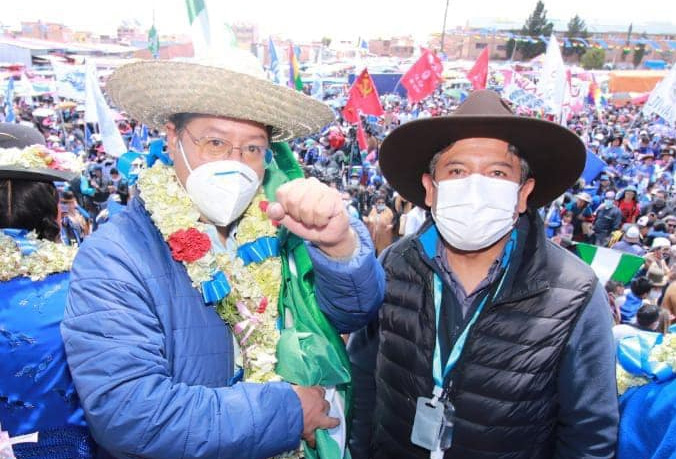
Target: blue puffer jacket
{"points": [[152, 364]]}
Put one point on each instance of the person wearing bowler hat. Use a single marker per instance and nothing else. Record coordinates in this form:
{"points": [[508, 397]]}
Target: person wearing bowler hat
{"points": [[37, 393], [492, 342]]}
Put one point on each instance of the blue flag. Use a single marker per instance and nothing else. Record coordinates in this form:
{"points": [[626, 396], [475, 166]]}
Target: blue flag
{"points": [[144, 134], [274, 61], [88, 136], [9, 102], [593, 167], [135, 144]]}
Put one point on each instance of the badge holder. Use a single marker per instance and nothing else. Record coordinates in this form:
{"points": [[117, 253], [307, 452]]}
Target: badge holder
{"points": [[433, 423]]}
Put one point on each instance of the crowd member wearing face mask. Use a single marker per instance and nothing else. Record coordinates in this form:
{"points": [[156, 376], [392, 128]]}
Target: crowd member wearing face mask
{"points": [[491, 341], [608, 219], [154, 363], [380, 224]]}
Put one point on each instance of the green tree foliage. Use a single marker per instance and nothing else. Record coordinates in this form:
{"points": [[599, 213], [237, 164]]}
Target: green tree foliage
{"points": [[576, 29], [639, 52], [625, 51], [536, 25], [593, 58]]}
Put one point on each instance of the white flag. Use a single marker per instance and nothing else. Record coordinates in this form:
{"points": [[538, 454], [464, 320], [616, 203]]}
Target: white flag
{"points": [[552, 84], [662, 99], [110, 134]]}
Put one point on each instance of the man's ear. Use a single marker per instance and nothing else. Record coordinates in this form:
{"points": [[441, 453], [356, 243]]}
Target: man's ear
{"points": [[524, 192], [172, 139], [430, 190]]}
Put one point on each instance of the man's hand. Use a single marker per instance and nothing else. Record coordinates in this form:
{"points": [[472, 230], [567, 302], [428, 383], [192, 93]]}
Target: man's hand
{"points": [[315, 411], [315, 212]]}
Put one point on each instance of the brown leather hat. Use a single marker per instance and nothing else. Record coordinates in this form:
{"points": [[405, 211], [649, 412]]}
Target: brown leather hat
{"points": [[555, 154]]}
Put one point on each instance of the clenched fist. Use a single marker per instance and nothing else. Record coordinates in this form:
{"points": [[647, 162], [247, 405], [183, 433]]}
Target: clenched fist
{"points": [[315, 212]]}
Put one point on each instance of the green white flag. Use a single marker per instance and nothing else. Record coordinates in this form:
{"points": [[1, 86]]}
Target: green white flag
{"points": [[609, 264], [201, 31], [154, 42]]}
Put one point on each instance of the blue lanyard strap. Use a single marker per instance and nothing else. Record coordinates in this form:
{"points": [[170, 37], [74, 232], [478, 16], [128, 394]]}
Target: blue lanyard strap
{"points": [[456, 352]]}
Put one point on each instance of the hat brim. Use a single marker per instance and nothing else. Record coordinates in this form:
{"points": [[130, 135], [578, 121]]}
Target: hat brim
{"points": [[556, 156], [152, 91], [36, 174]]}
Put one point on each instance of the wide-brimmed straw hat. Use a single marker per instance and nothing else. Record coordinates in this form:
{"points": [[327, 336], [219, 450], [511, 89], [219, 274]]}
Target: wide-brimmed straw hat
{"points": [[152, 91], [556, 156], [38, 164]]}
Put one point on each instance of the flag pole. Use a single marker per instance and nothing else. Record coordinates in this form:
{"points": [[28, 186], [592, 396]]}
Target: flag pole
{"points": [[443, 30]]}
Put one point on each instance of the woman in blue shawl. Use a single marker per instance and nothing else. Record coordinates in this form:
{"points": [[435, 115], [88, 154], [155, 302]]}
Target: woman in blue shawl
{"points": [[36, 390]]}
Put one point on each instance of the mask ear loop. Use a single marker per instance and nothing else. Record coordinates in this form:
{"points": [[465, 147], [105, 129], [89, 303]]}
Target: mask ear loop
{"points": [[185, 158]]}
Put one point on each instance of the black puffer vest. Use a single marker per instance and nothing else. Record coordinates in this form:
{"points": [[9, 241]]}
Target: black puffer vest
{"points": [[504, 387]]}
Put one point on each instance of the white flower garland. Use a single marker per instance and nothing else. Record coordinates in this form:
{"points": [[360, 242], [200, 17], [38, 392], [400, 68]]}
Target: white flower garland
{"points": [[251, 307], [48, 258]]}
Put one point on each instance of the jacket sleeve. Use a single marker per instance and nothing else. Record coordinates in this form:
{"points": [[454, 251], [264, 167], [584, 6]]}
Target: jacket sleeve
{"points": [[349, 291], [588, 412], [115, 349], [363, 351]]}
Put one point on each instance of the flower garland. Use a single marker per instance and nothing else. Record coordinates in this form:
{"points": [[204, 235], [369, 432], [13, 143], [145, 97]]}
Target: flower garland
{"points": [[244, 290], [664, 353], [39, 156], [46, 258]]}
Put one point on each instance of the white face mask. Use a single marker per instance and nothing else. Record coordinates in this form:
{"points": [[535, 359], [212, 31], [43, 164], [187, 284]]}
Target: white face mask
{"points": [[221, 190], [475, 212]]}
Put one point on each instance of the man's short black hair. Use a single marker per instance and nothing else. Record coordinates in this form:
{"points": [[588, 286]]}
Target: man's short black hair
{"points": [[640, 286], [647, 315]]}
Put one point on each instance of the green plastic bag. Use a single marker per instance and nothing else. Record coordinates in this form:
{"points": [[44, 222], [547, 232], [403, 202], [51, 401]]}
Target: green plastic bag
{"points": [[310, 350]]}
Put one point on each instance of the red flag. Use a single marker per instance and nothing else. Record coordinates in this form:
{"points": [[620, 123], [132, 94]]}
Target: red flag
{"points": [[423, 77], [478, 74], [362, 97], [361, 137]]}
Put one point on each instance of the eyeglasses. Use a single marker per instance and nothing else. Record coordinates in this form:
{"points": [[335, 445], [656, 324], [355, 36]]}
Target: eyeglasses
{"points": [[216, 148]]}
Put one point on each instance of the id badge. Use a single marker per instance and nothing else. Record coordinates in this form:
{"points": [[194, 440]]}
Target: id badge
{"points": [[427, 425]]}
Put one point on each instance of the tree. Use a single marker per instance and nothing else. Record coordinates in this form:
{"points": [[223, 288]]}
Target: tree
{"points": [[625, 50], [639, 51], [576, 29], [593, 58], [536, 26]]}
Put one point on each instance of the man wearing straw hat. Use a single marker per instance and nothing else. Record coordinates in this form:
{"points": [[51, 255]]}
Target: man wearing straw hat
{"points": [[492, 342], [154, 364]]}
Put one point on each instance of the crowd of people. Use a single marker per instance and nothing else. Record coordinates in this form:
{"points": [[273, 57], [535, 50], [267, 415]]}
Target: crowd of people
{"points": [[627, 202]]}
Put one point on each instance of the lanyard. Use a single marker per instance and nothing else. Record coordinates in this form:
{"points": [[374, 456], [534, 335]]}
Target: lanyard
{"points": [[456, 352]]}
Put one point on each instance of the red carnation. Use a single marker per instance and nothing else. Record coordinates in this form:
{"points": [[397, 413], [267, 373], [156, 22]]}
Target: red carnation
{"points": [[263, 305], [189, 245], [263, 205]]}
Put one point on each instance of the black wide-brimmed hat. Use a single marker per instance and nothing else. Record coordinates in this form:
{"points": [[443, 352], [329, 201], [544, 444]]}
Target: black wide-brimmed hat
{"points": [[556, 155], [17, 136]]}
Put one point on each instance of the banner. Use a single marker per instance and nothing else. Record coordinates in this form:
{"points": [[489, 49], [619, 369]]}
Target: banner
{"points": [[423, 77], [70, 81], [662, 100]]}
